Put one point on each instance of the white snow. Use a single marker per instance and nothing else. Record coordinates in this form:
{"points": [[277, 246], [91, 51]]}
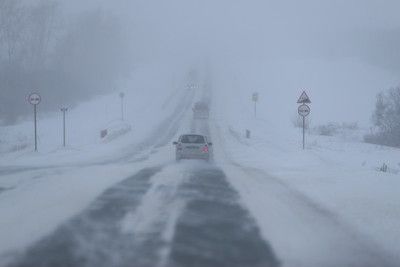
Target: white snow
{"points": [[327, 194], [41, 200], [143, 112], [339, 175], [39, 191]]}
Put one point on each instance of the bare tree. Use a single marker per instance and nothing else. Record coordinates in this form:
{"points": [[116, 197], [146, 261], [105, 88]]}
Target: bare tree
{"points": [[386, 119], [70, 63], [12, 23], [41, 31]]}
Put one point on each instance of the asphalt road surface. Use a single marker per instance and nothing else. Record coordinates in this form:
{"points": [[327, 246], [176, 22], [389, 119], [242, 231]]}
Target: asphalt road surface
{"points": [[211, 229]]}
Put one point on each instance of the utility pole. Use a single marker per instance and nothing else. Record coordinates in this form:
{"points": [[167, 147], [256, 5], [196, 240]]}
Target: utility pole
{"points": [[122, 95], [64, 110]]}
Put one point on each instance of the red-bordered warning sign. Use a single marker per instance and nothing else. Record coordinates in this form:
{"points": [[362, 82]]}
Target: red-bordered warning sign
{"points": [[304, 99]]}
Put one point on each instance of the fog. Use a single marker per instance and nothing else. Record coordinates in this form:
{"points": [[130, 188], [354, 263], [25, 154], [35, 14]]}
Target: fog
{"points": [[149, 149], [341, 52]]}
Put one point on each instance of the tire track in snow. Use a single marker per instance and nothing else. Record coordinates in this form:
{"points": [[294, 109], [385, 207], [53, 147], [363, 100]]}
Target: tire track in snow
{"points": [[154, 220], [94, 237], [214, 230], [183, 215]]}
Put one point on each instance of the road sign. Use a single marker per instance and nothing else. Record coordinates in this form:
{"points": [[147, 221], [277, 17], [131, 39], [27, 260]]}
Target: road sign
{"points": [[304, 110], [255, 97], [34, 99], [304, 99]]}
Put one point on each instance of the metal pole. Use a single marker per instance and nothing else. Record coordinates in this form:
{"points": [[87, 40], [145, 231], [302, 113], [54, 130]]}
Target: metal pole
{"points": [[64, 127], [35, 126], [64, 111], [122, 108], [304, 129]]}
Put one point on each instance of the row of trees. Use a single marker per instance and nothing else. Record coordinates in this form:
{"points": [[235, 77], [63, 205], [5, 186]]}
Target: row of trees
{"points": [[386, 119], [26, 31], [68, 59]]}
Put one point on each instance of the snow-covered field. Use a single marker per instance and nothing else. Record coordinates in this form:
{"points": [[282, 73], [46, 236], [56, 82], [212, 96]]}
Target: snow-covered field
{"points": [[144, 110], [340, 174]]}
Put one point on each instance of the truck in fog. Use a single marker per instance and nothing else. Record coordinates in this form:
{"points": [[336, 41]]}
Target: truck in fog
{"points": [[200, 110]]}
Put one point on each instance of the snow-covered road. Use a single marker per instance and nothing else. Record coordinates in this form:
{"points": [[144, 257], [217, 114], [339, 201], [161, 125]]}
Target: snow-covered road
{"points": [[196, 214], [163, 216], [184, 214]]}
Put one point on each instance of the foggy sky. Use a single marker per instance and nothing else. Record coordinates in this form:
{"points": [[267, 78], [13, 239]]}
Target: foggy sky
{"points": [[343, 52]]}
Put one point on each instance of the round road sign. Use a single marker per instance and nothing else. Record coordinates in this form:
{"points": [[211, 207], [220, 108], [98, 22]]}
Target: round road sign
{"points": [[255, 97], [304, 110], [34, 99]]}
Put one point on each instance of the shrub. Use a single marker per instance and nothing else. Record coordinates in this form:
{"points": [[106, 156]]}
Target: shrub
{"points": [[386, 119], [332, 128]]}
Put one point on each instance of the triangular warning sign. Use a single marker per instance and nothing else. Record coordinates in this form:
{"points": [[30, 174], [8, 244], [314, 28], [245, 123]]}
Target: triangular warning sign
{"points": [[304, 99]]}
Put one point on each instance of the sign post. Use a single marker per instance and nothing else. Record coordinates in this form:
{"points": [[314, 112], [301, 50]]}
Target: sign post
{"points": [[255, 100], [122, 95], [34, 99], [304, 110], [64, 110]]}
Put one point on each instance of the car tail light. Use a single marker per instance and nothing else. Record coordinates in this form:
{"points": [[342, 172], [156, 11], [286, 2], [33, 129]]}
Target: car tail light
{"points": [[205, 149]]}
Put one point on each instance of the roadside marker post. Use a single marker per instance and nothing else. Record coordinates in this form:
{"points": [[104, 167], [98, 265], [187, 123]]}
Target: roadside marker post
{"points": [[34, 99], [122, 95], [304, 110], [64, 111], [254, 98], [248, 134]]}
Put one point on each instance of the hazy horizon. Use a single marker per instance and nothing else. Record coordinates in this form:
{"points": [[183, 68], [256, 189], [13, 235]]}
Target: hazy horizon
{"points": [[342, 52]]}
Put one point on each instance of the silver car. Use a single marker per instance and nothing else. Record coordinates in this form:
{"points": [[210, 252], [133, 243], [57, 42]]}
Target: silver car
{"points": [[193, 146]]}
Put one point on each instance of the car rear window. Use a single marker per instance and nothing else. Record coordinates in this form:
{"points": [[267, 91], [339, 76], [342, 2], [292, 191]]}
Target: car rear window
{"points": [[192, 139]]}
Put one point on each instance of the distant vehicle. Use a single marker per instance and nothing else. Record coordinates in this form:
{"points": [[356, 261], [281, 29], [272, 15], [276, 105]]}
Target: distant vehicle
{"points": [[200, 110], [193, 146], [191, 86]]}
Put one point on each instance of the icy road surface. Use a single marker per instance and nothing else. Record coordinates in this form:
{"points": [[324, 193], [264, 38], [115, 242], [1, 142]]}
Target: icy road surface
{"points": [[151, 220]]}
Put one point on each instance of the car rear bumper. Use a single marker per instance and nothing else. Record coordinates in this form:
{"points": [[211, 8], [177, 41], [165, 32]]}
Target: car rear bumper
{"points": [[204, 156]]}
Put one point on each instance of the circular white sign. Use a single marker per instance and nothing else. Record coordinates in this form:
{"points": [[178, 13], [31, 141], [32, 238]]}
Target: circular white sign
{"points": [[255, 97], [34, 99], [304, 110]]}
